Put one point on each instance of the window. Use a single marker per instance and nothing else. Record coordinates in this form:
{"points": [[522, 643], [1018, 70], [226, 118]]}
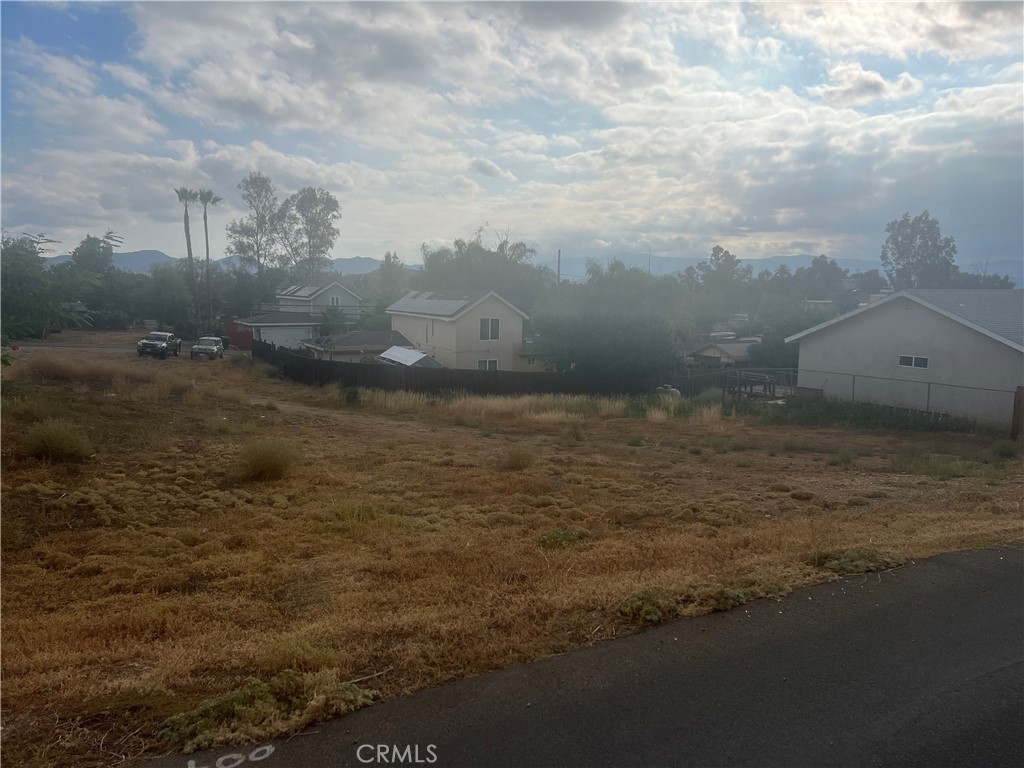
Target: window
{"points": [[335, 301], [909, 361], [531, 360], [487, 365], [489, 328]]}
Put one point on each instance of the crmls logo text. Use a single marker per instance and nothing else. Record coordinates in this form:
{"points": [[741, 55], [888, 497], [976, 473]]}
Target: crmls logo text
{"points": [[392, 754]]}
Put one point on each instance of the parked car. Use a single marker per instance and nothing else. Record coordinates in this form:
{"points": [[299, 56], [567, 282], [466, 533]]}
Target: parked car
{"points": [[207, 346], [159, 343]]}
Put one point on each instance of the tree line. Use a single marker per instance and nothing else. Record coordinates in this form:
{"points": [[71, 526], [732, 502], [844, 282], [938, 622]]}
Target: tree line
{"points": [[617, 316]]}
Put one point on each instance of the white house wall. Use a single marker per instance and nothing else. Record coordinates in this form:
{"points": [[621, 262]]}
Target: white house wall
{"points": [[320, 303], [859, 358], [289, 336]]}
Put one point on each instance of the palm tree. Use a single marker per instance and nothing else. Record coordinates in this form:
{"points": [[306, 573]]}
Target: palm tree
{"points": [[207, 198], [186, 196]]}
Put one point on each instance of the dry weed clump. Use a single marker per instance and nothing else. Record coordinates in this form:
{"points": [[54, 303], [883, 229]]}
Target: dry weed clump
{"points": [[57, 440], [267, 459], [264, 709], [46, 368], [520, 457]]}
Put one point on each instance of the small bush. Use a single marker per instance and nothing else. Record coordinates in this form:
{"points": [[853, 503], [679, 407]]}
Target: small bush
{"points": [[267, 459], [650, 606], [519, 458], [1005, 449], [57, 440], [844, 562], [635, 440], [558, 539]]}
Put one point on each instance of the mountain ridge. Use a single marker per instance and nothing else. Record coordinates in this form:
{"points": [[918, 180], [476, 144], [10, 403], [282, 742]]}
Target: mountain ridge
{"points": [[575, 267]]}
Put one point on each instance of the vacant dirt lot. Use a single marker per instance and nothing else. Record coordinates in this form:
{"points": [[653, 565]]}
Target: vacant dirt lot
{"points": [[411, 540]]}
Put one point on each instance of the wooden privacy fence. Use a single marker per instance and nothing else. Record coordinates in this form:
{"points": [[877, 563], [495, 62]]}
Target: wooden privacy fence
{"points": [[393, 377]]}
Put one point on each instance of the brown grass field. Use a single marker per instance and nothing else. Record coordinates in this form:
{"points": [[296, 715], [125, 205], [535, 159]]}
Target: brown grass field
{"points": [[285, 549]]}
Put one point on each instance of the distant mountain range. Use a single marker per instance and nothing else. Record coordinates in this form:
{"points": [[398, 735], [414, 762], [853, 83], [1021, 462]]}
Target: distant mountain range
{"points": [[141, 262], [575, 268]]}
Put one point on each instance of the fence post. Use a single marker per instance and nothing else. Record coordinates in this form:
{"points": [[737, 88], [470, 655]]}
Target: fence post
{"points": [[853, 388], [1017, 425], [928, 399]]}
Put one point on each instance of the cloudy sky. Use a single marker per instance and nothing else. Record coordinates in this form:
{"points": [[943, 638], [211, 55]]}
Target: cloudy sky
{"points": [[597, 128]]}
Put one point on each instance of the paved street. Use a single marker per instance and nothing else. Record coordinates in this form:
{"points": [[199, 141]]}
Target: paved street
{"points": [[918, 667]]}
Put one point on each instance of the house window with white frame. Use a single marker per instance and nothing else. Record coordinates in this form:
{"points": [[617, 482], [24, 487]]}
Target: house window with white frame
{"points": [[489, 328], [911, 361], [487, 365], [335, 301]]}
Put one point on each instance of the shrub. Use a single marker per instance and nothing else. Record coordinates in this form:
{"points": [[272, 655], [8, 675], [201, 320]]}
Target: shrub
{"points": [[635, 440], [843, 458], [57, 440], [853, 560], [267, 459], [650, 606]]}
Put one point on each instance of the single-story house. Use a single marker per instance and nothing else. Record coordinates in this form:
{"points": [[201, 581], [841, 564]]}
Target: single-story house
{"points": [[721, 354], [478, 330], [284, 329], [954, 351], [355, 346]]}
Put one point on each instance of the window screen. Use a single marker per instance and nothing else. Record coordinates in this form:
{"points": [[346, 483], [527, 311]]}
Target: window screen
{"points": [[906, 360]]}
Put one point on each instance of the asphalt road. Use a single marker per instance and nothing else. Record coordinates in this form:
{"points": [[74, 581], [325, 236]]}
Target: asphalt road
{"points": [[923, 666]]}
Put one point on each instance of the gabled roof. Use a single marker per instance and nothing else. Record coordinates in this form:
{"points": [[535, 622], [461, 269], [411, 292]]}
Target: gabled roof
{"points": [[449, 306], [310, 292], [359, 341], [733, 350], [994, 312], [279, 318]]}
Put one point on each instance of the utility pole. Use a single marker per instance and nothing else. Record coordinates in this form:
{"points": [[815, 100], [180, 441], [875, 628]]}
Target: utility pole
{"points": [[559, 266]]}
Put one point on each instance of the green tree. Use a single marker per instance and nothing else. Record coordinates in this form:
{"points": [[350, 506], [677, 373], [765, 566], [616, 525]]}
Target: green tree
{"points": [[723, 279], [185, 197], [916, 255], [206, 199], [252, 239], [470, 265], [304, 227], [29, 300], [621, 319]]}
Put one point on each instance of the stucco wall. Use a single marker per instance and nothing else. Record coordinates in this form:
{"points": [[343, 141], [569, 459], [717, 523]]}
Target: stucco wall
{"points": [[285, 336], [471, 348], [458, 344], [842, 361], [434, 336]]}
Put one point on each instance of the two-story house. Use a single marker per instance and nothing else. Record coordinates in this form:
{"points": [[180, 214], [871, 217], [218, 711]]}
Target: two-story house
{"points": [[464, 330], [296, 314]]}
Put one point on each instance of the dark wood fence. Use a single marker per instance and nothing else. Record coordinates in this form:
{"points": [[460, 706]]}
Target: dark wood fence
{"points": [[688, 381]]}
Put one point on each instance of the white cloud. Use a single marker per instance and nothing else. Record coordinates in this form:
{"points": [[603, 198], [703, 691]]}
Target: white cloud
{"points": [[852, 85], [486, 167]]}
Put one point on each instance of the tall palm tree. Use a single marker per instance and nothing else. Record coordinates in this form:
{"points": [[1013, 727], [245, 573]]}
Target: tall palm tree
{"points": [[186, 196], [207, 198]]}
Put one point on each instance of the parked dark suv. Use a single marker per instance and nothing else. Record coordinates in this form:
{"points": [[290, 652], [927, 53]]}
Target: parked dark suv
{"points": [[159, 344]]}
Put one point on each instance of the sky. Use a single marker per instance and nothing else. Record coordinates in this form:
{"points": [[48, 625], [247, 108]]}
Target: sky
{"points": [[601, 129]]}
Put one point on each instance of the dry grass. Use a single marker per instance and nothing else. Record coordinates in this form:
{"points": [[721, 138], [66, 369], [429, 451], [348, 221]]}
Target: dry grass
{"points": [[151, 579], [269, 458], [57, 440]]}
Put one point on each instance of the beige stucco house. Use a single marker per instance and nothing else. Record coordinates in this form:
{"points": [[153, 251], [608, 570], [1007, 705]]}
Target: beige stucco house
{"points": [[296, 314], [465, 330], [955, 351]]}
